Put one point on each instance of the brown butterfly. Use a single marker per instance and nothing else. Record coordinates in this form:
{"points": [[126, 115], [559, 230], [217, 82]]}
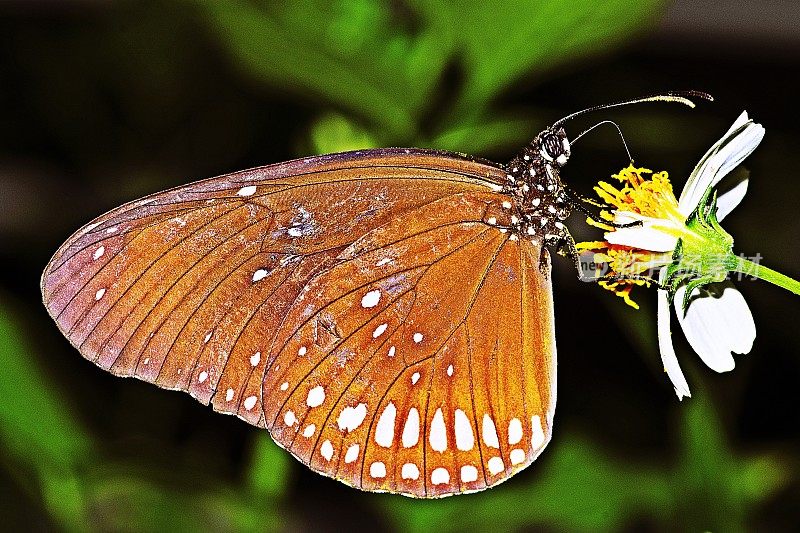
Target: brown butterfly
{"points": [[386, 314]]}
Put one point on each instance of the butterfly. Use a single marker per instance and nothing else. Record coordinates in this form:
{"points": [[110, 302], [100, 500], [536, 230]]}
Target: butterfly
{"points": [[386, 314]]}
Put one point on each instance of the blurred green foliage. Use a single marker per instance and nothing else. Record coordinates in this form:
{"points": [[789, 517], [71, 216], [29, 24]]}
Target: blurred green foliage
{"points": [[385, 62], [582, 489], [41, 436], [51, 447], [422, 73], [579, 489]]}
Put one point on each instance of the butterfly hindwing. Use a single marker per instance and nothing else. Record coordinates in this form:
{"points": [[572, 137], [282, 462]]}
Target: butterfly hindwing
{"points": [[418, 367]]}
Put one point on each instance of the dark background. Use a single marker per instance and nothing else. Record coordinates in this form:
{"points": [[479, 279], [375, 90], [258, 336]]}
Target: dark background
{"points": [[104, 102]]}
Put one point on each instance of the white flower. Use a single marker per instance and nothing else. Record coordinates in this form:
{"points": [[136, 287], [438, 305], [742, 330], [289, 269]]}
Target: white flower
{"points": [[717, 321]]}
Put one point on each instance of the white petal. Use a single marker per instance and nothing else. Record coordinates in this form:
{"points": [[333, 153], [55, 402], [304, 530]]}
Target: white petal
{"points": [[737, 143], [740, 146], [717, 322], [728, 200], [742, 119], [668, 357]]}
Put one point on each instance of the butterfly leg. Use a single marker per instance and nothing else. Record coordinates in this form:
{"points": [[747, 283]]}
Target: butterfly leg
{"points": [[565, 246]]}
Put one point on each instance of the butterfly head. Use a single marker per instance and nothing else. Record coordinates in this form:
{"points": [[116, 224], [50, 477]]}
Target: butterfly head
{"points": [[553, 146]]}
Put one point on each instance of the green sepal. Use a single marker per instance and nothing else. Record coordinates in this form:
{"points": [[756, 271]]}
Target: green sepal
{"points": [[690, 287]]}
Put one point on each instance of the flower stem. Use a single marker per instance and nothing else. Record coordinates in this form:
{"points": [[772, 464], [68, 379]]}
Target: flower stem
{"points": [[749, 268]]}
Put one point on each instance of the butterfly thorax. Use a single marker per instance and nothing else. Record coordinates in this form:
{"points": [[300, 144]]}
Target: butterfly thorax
{"points": [[534, 182]]}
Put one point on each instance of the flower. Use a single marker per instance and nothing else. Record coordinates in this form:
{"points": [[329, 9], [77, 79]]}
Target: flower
{"points": [[648, 230], [718, 321]]}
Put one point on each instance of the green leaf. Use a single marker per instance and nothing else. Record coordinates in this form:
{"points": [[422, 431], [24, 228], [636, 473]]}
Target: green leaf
{"points": [[384, 61], [269, 469], [503, 41], [335, 133], [35, 423], [124, 502], [719, 489], [487, 134], [36, 428], [577, 488], [580, 488], [360, 54]]}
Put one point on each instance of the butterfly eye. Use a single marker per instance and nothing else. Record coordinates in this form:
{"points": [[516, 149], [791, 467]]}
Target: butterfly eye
{"points": [[552, 145], [555, 147]]}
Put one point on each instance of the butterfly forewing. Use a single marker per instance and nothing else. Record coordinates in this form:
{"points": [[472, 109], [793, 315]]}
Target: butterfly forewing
{"points": [[368, 308]]}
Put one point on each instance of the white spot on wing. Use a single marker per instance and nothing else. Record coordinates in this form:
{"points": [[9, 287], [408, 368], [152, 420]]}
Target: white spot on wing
{"points": [[465, 440], [537, 439], [379, 330], [99, 253], [229, 395], [469, 474], [250, 402], [489, 432], [316, 396], [450, 370], [250, 190], [326, 450], [517, 456], [351, 417], [351, 454], [391, 351], [496, 465], [302, 351], [411, 429], [384, 431], [377, 469], [371, 299], [514, 431], [259, 274], [414, 378], [289, 418], [383, 261], [409, 471], [202, 376], [99, 294], [284, 385], [308, 432], [418, 337], [440, 476], [438, 436], [255, 358]]}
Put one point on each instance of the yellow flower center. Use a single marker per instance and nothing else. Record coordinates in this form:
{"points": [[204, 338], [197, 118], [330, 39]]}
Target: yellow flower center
{"points": [[638, 198]]}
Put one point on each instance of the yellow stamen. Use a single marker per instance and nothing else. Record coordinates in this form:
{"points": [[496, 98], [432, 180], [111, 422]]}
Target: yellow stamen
{"points": [[623, 289], [590, 245], [646, 194]]}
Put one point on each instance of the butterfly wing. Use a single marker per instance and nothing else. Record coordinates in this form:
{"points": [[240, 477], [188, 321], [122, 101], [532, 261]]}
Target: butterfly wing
{"points": [[278, 293], [427, 373]]}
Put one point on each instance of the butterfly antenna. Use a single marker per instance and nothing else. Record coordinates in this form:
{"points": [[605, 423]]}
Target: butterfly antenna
{"points": [[625, 144], [681, 97]]}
